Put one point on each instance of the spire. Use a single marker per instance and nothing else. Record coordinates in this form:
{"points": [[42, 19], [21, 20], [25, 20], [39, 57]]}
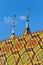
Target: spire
{"points": [[13, 26], [27, 29]]}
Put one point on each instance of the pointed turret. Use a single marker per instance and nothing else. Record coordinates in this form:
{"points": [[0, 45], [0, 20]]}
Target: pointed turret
{"points": [[27, 29], [13, 26]]}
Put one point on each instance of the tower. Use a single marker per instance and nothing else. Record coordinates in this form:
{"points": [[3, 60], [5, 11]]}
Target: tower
{"points": [[27, 29], [13, 26]]}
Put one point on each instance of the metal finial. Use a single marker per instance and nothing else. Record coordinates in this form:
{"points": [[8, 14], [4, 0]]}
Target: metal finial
{"points": [[14, 17], [28, 9], [13, 24], [27, 18], [28, 14]]}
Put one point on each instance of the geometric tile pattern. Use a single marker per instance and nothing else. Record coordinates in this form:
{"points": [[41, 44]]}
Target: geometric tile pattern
{"points": [[23, 50]]}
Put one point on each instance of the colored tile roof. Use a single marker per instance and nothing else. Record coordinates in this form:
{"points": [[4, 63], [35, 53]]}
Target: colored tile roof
{"points": [[23, 50]]}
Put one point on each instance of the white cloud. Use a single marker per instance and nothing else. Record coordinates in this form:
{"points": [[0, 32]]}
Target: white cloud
{"points": [[8, 19], [22, 17]]}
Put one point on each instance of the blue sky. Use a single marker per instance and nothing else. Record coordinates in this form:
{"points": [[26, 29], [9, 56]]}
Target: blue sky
{"points": [[19, 7]]}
